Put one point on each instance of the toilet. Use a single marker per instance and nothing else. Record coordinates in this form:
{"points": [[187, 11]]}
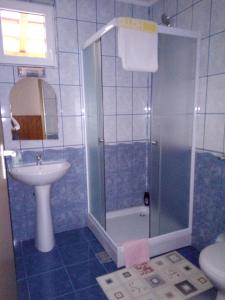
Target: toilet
{"points": [[212, 263]]}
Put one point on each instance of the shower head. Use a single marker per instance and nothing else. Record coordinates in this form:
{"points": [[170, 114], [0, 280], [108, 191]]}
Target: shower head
{"points": [[166, 20]]}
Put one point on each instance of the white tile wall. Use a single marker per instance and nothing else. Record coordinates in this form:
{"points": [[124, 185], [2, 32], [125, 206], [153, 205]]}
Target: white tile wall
{"points": [[124, 128], [124, 100], [218, 20], [66, 9], [214, 132], [67, 28]]}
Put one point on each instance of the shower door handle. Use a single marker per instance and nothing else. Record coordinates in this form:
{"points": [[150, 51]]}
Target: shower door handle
{"points": [[100, 140], [154, 142]]}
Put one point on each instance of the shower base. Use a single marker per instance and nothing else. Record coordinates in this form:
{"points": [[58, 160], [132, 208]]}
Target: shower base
{"points": [[128, 224], [133, 223]]}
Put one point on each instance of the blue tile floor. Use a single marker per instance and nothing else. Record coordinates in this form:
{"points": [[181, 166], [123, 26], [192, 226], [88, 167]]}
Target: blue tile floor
{"points": [[68, 272]]}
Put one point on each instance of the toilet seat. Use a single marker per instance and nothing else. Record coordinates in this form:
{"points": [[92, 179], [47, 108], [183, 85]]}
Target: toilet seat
{"points": [[212, 261]]}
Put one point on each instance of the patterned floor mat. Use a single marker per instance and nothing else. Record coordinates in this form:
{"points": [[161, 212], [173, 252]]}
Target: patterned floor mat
{"points": [[166, 277]]}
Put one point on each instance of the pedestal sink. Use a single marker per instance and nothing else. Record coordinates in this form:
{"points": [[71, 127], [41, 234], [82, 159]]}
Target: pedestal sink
{"points": [[41, 177]]}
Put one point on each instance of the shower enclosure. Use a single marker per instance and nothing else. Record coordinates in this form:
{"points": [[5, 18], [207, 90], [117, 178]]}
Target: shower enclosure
{"points": [[155, 156]]}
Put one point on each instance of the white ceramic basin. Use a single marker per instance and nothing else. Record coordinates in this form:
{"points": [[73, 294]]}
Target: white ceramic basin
{"points": [[44, 174], [41, 177]]}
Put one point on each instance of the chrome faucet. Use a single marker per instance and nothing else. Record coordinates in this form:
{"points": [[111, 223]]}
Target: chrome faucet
{"points": [[39, 159]]}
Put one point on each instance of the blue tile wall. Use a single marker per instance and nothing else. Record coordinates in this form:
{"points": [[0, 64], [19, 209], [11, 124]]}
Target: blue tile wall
{"points": [[125, 175], [209, 203]]}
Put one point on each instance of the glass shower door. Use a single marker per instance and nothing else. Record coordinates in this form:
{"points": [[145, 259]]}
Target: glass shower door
{"points": [[171, 133], [94, 131]]}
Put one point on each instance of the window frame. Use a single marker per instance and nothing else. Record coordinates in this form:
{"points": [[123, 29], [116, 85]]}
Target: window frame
{"points": [[32, 8]]}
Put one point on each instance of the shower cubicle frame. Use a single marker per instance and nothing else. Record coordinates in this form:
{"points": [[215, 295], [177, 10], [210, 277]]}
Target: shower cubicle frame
{"points": [[169, 241]]}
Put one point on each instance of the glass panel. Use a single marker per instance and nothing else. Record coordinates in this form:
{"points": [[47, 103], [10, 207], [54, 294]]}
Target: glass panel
{"points": [[94, 131], [172, 120]]}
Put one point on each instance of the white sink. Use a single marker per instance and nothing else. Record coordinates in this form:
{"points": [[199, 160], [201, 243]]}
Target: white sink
{"points": [[44, 174], [41, 176]]}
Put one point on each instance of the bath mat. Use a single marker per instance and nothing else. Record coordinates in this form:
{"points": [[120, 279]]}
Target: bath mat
{"points": [[166, 277]]}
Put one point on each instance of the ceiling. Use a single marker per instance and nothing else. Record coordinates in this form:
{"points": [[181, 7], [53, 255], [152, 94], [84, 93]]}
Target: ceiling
{"points": [[140, 2]]}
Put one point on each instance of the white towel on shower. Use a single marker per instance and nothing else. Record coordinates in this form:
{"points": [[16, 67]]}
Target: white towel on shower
{"points": [[138, 49]]}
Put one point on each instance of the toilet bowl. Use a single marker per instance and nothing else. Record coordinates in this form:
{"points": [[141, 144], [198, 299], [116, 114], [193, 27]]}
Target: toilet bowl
{"points": [[212, 263]]}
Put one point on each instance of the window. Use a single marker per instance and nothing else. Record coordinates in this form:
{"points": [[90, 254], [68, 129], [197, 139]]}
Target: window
{"points": [[27, 35]]}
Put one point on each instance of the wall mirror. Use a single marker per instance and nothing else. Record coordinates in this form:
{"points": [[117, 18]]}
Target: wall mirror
{"points": [[33, 110]]}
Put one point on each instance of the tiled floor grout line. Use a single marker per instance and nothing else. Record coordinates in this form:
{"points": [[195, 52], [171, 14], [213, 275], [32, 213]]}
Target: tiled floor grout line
{"points": [[67, 272]]}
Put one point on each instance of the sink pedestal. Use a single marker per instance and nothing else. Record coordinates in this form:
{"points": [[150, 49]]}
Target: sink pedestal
{"points": [[45, 240]]}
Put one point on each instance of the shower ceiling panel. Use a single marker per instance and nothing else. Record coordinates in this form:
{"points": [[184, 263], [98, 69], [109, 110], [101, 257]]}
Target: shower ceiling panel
{"points": [[140, 2]]}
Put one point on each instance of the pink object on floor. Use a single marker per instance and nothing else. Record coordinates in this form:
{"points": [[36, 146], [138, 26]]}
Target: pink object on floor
{"points": [[136, 252]]}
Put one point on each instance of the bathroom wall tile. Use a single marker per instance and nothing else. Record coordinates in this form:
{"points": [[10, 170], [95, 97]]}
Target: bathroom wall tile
{"points": [[141, 79], [158, 10], [124, 128], [67, 28], [215, 95], [124, 100], [111, 190], [140, 12], [183, 4], [139, 157], [201, 17], [124, 186], [47, 2], [217, 19], [125, 157], [140, 100], [26, 144], [108, 71], [5, 89], [184, 19], [69, 68], [139, 127], [208, 192], [214, 132], [56, 142], [55, 92], [6, 74], [123, 9], [72, 131], [110, 129], [105, 10], [85, 30], [204, 53], [53, 153], [86, 10], [138, 187], [66, 9], [29, 156], [123, 78], [109, 43], [170, 7], [217, 48], [201, 101], [200, 125], [70, 99], [111, 161], [109, 100], [52, 75]]}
